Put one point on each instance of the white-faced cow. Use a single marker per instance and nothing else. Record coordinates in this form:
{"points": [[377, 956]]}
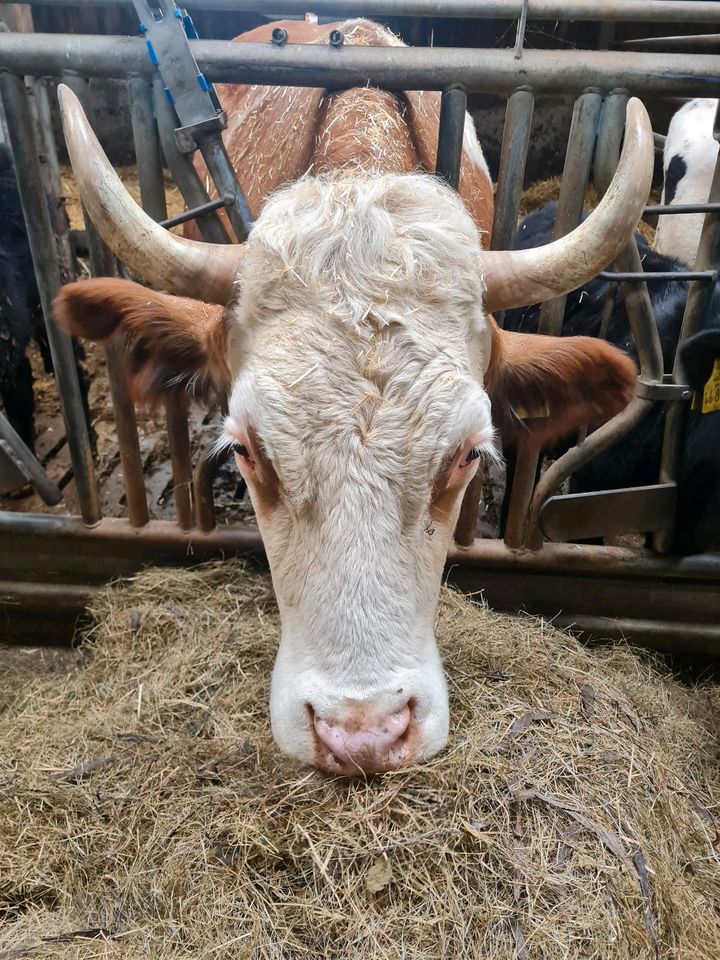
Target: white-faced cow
{"points": [[353, 334], [689, 159]]}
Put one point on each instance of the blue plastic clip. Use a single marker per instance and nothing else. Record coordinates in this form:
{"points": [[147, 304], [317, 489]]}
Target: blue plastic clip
{"points": [[168, 94], [143, 28], [204, 85], [152, 54]]}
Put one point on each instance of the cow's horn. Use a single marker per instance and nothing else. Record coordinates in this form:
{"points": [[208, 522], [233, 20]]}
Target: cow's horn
{"points": [[204, 271], [520, 277]]}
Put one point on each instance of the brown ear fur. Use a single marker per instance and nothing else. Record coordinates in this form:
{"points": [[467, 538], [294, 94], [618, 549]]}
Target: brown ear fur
{"points": [[579, 380], [171, 343]]}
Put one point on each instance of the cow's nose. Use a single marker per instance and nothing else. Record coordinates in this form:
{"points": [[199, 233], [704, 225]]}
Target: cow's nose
{"points": [[363, 743]]}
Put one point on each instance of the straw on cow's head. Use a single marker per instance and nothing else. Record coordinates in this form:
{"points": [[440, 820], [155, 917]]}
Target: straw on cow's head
{"points": [[353, 336]]}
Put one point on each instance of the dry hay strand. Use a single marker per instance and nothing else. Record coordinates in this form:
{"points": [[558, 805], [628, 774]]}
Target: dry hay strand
{"points": [[129, 177], [144, 810]]}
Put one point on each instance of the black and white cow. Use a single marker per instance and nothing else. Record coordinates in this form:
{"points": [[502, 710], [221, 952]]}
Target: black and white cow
{"points": [[689, 160], [635, 460]]}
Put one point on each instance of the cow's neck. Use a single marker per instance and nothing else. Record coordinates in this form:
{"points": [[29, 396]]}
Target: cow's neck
{"points": [[367, 129]]}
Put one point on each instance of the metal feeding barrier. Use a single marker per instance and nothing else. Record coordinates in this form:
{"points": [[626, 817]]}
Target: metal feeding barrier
{"points": [[49, 564]]}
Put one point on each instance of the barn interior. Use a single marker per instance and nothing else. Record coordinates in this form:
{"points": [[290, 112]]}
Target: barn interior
{"points": [[143, 806]]}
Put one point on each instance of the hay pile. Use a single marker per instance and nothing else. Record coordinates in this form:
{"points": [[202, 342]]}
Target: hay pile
{"points": [[144, 811]]}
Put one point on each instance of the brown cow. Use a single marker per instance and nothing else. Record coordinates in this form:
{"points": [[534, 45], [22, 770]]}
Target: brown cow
{"points": [[353, 335]]}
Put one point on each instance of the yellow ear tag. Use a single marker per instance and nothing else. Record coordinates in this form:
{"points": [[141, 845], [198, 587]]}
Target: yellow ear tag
{"points": [[532, 413], [711, 392]]}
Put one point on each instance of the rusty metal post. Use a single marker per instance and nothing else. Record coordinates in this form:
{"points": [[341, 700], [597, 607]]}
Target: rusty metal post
{"points": [[180, 456]]}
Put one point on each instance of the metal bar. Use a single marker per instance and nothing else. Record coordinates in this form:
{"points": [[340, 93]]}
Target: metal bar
{"points": [[489, 71], [102, 264], [675, 208], [651, 11], [47, 272], [693, 42], [453, 105], [521, 28], [579, 516], [59, 536], [206, 470], [696, 307], [467, 518], [513, 157], [148, 153], [576, 172], [181, 167], [196, 212], [29, 466], [679, 275], [221, 170], [179, 443], [575, 176]]}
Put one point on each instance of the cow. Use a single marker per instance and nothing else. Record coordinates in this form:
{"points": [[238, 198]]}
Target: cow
{"points": [[689, 158], [634, 460], [354, 337]]}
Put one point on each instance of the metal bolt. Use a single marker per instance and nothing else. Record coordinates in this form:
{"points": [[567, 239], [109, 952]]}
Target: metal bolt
{"points": [[279, 36], [336, 38]]}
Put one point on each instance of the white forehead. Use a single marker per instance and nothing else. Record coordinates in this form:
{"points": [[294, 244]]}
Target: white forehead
{"points": [[364, 295]]}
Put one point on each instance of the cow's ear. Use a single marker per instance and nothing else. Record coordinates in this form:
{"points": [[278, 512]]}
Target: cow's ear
{"points": [[170, 343], [545, 387]]}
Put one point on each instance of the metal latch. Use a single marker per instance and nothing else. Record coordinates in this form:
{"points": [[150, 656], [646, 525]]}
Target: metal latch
{"points": [[667, 390]]}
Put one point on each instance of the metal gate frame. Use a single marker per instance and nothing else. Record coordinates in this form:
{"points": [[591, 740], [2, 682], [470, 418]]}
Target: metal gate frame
{"points": [[608, 590]]}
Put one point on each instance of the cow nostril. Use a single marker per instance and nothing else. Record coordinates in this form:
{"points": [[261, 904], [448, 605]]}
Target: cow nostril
{"points": [[361, 743]]}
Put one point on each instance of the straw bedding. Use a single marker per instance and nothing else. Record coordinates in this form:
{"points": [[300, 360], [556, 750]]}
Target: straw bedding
{"points": [[144, 811]]}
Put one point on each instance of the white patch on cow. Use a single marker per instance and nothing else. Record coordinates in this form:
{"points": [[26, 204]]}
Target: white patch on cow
{"points": [[364, 375], [472, 148], [690, 136]]}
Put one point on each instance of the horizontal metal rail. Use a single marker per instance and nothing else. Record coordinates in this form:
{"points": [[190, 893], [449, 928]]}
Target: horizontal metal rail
{"points": [[51, 565], [679, 275], [679, 208], [693, 43], [562, 72], [662, 11], [196, 212]]}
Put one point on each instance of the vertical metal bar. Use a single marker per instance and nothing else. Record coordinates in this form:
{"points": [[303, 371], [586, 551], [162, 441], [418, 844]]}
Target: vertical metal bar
{"points": [[453, 106], [148, 154], [102, 264], [51, 169], [47, 272], [521, 28], [221, 170], [181, 167], [152, 194], [179, 437], [576, 172], [698, 302], [513, 157]]}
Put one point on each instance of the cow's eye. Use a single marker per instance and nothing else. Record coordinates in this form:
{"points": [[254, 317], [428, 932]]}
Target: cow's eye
{"points": [[241, 450], [472, 454]]}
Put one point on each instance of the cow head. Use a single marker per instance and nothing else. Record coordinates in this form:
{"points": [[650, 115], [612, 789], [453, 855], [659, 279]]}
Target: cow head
{"points": [[352, 334]]}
